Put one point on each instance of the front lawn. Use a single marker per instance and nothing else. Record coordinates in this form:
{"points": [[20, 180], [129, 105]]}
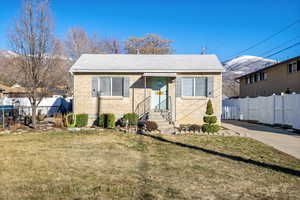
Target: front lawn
{"points": [[112, 165]]}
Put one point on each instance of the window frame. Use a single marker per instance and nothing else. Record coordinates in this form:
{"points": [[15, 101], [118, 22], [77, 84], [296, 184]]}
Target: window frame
{"points": [[293, 66], [247, 80], [194, 88], [111, 86]]}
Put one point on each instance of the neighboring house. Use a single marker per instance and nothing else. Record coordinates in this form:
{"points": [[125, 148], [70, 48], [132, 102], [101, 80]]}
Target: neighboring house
{"points": [[282, 77], [176, 86], [14, 91]]}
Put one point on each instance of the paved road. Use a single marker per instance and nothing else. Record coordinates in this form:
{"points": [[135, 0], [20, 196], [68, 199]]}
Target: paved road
{"points": [[280, 139]]}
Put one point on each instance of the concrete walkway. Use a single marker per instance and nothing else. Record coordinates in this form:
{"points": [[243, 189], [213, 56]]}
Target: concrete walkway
{"points": [[280, 139]]}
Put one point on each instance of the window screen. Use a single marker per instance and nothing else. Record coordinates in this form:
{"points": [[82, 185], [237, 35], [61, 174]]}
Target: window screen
{"points": [[105, 86], [117, 86], [188, 87], [201, 87]]}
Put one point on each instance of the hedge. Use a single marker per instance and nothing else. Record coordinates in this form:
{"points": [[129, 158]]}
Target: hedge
{"points": [[81, 120], [132, 118], [107, 120]]}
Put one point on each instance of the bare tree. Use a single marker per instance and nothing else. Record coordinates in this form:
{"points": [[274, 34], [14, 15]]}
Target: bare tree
{"points": [[79, 42], [112, 46], [149, 44], [31, 37]]}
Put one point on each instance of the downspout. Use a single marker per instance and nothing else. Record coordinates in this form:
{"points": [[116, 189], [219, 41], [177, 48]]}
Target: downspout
{"points": [[175, 100]]}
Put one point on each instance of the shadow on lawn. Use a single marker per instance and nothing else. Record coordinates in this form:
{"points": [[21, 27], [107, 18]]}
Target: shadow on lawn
{"points": [[232, 157]]}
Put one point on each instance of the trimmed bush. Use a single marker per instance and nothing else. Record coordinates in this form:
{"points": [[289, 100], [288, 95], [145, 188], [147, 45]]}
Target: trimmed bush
{"points": [[81, 120], [210, 126], [107, 120], [132, 118], [194, 128], [209, 108], [151, 126], [210, 119]]}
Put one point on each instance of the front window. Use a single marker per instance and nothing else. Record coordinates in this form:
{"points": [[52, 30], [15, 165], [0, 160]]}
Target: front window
{"points": [[111, 86], [194, 87]]}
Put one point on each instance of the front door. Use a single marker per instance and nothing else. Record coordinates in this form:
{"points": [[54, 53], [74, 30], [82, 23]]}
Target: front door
{"points": [[159, 93]]}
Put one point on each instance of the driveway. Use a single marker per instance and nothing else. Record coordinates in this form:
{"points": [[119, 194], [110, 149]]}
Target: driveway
{"points": [[280, 139]]}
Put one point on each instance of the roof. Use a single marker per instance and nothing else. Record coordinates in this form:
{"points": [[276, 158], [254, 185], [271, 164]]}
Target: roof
{"points": [[8, 89], [146, 63], [270, 66]]}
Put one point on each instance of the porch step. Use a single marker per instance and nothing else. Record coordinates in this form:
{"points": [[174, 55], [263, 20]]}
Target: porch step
{"points": [[163, 125]]}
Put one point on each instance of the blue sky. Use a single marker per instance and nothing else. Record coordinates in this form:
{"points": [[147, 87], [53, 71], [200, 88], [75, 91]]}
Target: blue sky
{"points": [[225, 27]]}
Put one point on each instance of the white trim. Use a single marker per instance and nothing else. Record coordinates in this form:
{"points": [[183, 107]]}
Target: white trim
{"points": [[145, 71]]}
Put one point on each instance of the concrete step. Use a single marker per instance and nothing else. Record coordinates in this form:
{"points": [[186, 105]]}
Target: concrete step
{"points": [[162, 123], [167, 131]]}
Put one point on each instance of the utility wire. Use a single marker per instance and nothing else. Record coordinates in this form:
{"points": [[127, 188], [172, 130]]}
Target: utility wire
{"points": [[269, 51], [264, 40]]}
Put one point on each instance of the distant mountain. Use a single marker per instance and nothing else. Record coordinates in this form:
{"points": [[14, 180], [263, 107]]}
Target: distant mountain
{"points": [[7, 53], [245, 64], [238, 67]]}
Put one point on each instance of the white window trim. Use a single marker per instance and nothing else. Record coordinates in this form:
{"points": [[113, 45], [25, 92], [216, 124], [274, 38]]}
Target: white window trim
{"points": [[194, 88], [294, 67], [110, 77]]}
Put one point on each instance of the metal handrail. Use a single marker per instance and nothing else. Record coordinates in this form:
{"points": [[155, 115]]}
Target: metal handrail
{"points": [[166, 113], [143, 107]]}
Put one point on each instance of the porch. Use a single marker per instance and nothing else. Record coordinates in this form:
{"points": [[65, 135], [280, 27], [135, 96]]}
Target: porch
{"points": [[159, 95]]}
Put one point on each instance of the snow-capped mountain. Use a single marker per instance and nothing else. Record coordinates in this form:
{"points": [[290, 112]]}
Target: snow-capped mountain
{"points": [[244, 65], [238, 67], [7, 53]]}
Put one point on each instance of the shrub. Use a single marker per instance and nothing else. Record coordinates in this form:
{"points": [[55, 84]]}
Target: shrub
{"points": [[209, 108], [194, 127], [81, 120], [151, 126], [132, 118], [107, 120], [210, 126], [210, 119], [70, 120]]}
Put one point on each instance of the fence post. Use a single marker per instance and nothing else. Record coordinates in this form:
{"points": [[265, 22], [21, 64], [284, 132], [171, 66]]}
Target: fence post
{"points": [[283, 115], [248, 109], [274, 108], [3, 121]]}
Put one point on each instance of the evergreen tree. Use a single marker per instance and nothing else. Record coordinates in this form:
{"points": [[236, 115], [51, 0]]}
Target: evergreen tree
{"points": [[210, 125]]}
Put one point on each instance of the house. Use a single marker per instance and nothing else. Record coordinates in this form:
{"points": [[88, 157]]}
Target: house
{"points": [[14, 91], [282, 77], [177, 87]]}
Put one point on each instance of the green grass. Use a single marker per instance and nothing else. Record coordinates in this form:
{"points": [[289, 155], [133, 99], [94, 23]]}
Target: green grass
{"points": [[112, 165]]}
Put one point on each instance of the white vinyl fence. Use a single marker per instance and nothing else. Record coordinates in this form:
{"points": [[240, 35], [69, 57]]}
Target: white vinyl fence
{"points": [[275, 109], [48, 106]]}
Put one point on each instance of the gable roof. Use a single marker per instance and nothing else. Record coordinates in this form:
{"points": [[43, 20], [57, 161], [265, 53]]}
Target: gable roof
{"points": [[146, 63]]}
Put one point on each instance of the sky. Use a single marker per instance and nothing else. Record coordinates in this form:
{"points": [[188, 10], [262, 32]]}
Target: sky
{"points": [[223, 27]]}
